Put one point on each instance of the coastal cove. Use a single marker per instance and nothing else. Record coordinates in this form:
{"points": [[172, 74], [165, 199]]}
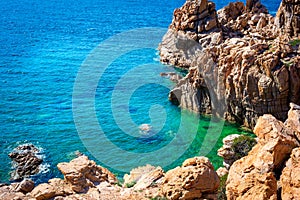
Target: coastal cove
{"points": [[44, 44]]}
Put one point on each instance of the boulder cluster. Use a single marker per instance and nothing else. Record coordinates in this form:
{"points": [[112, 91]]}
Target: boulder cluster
{"points": [[270, 169], [84, 179], [246, 65]]}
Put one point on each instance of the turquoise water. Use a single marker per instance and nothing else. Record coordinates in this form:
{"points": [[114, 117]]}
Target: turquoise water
{"points": [[44, 43]]}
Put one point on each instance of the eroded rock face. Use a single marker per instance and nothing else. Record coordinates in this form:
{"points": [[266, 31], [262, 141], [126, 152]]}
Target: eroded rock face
{"points": [[17, 190], [83, 173], [290, 178], [196, 21], [26, 161], [194, 179], [255, 6], [255, 175], [243, 64], [288, 17]]}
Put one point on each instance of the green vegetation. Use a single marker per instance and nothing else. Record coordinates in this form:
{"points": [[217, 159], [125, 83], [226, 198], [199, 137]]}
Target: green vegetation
{"points": [[222, 188], [119, 183], [294, 42], [242, 145], [287, 63], [131, 184]]}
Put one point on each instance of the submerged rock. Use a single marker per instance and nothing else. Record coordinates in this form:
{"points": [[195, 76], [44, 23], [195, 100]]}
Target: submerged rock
{"points": [[26, 161]]}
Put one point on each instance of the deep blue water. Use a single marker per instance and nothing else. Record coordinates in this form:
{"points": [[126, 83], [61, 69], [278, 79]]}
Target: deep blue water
{"points": [[42, 47]]}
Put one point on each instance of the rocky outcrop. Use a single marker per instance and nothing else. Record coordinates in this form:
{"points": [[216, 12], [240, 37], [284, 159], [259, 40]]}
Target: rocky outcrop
{"points": [[16, 190], [26, 161], [241, 69], [288, 17], [290, 178], [190, 181], [194, 21], [255, 6], [82, 173], [83, 179], [256, 175]]}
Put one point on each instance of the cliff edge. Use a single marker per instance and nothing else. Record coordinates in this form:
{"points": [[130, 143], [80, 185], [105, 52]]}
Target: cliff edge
{"points": [[242, 61]]}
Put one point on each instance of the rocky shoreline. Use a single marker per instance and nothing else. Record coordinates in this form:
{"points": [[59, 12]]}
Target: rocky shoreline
{"points": [[270, 170], [242, 61], [244, 66]]}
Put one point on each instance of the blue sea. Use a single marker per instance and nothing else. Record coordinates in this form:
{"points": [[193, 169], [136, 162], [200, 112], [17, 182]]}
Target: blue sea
{"points": [[45, 46]]}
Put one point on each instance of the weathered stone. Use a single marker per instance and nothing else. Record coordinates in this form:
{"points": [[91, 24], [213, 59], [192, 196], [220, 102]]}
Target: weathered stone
{"points": [[192, 180], [25, 186], [239, 66], [83, 173], [288, 17], [254, 176], [290, 177]]}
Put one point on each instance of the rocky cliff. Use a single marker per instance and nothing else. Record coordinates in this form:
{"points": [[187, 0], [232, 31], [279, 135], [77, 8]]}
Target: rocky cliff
{"points": [[242, 61], [269, 170]]}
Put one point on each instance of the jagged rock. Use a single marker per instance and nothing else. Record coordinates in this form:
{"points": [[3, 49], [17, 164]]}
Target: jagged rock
{"points": [[255, 6], [7, 193], [173, 76], [54, 187], [26, 161], [194, 21], [254, 176], [230, 12], [290, 178], [249, 70], [288, 17], [83, 173], [195, 178], [293, 121], [235, 147]]}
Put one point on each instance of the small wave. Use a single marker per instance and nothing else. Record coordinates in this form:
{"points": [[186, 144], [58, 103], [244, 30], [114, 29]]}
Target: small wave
{"points": [[44, 168]]}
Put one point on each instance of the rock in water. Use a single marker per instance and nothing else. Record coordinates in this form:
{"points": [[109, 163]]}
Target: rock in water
{"points": [[25, 161]]}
